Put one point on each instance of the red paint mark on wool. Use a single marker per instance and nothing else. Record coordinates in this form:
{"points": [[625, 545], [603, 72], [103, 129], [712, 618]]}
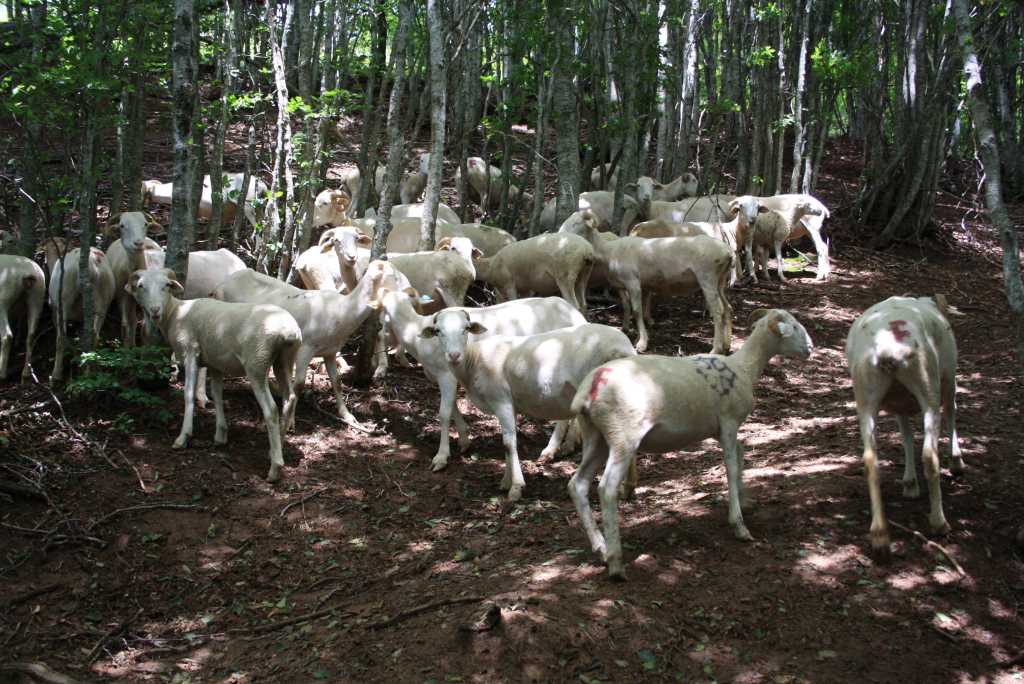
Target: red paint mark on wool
{"points": [[899, 330], [600, 380]]}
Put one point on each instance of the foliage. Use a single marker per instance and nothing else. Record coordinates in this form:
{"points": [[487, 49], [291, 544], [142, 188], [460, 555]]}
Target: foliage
{"points": [[120, 374]]}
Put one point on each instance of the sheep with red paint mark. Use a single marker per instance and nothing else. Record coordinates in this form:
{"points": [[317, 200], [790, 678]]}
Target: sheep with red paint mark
{"points": [[902, 356]]}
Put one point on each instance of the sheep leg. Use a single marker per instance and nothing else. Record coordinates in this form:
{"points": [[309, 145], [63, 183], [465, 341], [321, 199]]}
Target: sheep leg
{"points": [[821, 247], [595, 455], [513, 479], [649, 307], [778, 261], [568, 292], [332, 373], [217, 390], [581, 286], [60, 323], [191, 371], [557, 435], [449, 388], [745, 502], [734, 473], [911, 490], [202, 399], [930, 461], [627, 311], [129, 319], [6, 340], [615, 471], [261, 389], [636, 303], [34, 309], [380, 354], [866, 416], [949, 401], [284, 365], [748, 254]]}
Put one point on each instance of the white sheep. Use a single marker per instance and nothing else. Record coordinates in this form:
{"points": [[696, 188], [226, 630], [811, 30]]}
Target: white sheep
{"points": [[445, 274], [415, 210], [902, 357], [658, 404], [156, 191], [415, 182], [66, 298], [647, 189], [601, 203], [488, 239], [327, 319], [609, 178], [330, 208], [351, 180], [675, 266], [796, 216], [536, 375], [132, 251], [230, 340], [405, 234], [22, 293], [487, 195], [519, 317], [544, 265], [710, 208]]}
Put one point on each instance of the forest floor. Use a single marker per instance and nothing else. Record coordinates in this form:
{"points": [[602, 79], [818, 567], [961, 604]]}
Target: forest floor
{"points": [[149, 564]]}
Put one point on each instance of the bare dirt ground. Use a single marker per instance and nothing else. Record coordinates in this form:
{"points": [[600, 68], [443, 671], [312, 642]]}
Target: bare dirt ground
{"points": [[147, 564]]}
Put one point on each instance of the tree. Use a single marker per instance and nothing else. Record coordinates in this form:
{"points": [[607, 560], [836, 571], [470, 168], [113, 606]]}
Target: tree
{"points": [[438, 106], [184, 92]]}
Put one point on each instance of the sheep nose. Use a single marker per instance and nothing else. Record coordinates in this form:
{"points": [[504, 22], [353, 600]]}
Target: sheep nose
{"points": [[454, 356], [154, 314]]}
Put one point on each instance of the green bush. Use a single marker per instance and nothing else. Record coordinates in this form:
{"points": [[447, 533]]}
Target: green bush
{"points": [[121, 375]]}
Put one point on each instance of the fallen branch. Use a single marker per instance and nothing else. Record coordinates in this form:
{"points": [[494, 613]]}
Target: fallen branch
{"points": [[301, 501], [38, 671], [354, 426], [274, 626], [18, 490], [143, 507], [419, 610], [929, 543], [29, 595]]}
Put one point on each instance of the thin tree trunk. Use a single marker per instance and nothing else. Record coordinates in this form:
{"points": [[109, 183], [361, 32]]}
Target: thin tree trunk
{"points": [[564, 111], [284, 153], [87, 225], [183, 94], [799, 129], [438, 105], [250, 163], [224, 69], [988, 150]]}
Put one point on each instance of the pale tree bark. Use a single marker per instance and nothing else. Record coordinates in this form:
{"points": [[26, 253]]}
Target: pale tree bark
{"points": [[392, 176], [564, 109], [367, 160], [803, 8], [438, 106], [627, 26], [988, 150], [224, 69], [183, 96], [543, 104], [780, 94], [87, 224], [688, 88], [247, 173], [283, 152]]}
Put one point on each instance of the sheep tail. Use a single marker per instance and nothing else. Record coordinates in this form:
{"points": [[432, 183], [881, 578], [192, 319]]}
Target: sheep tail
{"points": [[896, 358]]}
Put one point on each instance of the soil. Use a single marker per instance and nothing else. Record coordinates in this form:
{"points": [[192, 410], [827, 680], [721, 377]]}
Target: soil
{"points": [[143, 563]]}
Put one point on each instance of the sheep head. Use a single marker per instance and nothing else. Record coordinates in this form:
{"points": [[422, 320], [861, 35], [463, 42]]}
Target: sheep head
{"points": [[153, 289], [791, 335], [452, 328]]}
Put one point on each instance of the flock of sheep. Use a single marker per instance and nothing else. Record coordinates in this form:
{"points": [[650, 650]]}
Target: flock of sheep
{"points": [[529, 354]]}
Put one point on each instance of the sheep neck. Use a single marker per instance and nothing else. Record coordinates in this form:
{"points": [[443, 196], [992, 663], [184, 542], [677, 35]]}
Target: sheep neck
{"points": [[406, 324], [756, 352], [348, 273], [136, 258]]}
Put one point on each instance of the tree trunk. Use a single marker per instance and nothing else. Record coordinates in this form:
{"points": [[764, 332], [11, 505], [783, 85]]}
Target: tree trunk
{"points": [[184, 94], [564, 111], [799, 129], [988, 150], [87, 223], [224, 69], [438, 105]]}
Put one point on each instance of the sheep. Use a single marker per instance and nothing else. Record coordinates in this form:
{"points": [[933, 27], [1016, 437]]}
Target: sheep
{"points": [[477, 172], [351, 180], [327, 319], [156, 191], [230, 340], [319, 269], [546, 264], [802, 215], [902, 358], [133, 251], [662, 403], [444, 274], [609, 178], [415, 210], [66, 299], [710, 208], [415, 182], [405, 234], [533, 374], [488, 239], [520, 317], [674, 266], [647, 189], [329, 208], [22, 292], [601, 203]]}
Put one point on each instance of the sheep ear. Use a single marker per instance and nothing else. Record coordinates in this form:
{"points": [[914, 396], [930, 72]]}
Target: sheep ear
{"points": [[325, 236], [477, 253], [364, 239], [443, 244], [154, 228], [176, 287], [475, 328], [631, 186], [377, 301], [326, 247], [756, 315], [780, 328], [429, 332]]}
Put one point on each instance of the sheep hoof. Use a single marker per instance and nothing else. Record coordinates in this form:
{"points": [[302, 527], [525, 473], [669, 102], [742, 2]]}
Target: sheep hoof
{"points": [[743, 534], [641, 347], [616, 571], [880, 546], [220, 440], [911, 490], [626, 492], [547, 454], [515, 493], [275, 474], [942, 529], [380, 373], [439, 463], [957, 466], [181, 442]]}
